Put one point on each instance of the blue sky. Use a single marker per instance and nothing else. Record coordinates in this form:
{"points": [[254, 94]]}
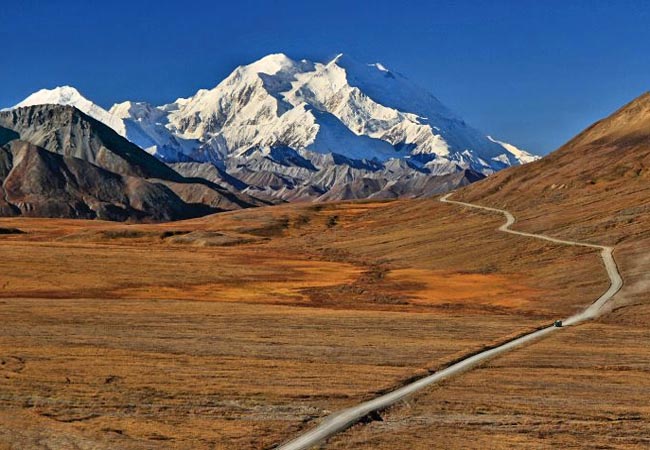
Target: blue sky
{"points": [[533, 73]]}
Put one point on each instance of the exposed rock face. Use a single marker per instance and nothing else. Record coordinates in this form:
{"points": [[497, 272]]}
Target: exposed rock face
{"points": [[56, 161], [36, 182], [304, 176], [68, 132]]}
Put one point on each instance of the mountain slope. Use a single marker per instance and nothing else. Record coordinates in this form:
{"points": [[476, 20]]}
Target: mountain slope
{"points": [[69, 96], [67, 131], [39, 183], [276, 102], [59, 162], [596, 186]]}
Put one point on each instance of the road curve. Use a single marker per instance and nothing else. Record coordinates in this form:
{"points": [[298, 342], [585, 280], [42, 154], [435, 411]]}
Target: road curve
{"points": [[616, 282], [343, 419]]}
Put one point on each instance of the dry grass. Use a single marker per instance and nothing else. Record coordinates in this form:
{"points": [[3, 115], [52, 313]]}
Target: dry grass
{"points": [[585, 387], [249, 374], [239, 330]]}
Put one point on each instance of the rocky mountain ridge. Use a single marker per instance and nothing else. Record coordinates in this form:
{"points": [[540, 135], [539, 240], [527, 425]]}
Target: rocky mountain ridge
{"points": [[301, 130]]}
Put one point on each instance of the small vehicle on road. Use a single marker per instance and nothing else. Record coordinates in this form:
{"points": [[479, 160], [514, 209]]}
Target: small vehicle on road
{"points": [[558, 323]]}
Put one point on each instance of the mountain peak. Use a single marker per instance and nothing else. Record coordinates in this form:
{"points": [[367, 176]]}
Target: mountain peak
{"points": [[272, 64], [131, 109], [346, 61], [276, 57], [60, 95], [337, 58]]}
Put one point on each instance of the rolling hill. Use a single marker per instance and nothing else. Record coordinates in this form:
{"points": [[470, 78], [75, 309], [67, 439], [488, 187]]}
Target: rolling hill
{"points": [[595, 187]]}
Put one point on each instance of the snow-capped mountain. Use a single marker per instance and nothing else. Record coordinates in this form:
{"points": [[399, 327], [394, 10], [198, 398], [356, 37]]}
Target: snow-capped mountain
{"points": [[69, 96], [298, 129]]}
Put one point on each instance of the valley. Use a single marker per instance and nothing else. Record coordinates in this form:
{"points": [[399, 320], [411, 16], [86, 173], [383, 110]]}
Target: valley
{"points": [[273, 346], [295, 225]]}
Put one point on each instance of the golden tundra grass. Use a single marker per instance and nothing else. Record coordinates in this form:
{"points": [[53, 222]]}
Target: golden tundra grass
{"points": [[241, 329], [585, 387]]}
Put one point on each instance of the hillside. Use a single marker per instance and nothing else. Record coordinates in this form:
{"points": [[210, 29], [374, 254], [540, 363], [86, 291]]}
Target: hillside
{"points": [[595, 187], [58, 162]]}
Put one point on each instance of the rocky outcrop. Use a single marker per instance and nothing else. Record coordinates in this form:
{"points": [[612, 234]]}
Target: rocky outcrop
{"points": [[56, 161]]}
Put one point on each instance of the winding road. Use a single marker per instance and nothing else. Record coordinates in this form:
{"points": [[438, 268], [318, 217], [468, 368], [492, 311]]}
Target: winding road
{"points": [[342, 420]]}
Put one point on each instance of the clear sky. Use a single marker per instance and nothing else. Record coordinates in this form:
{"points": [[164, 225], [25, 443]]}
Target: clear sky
{"points": [[533, 73]]}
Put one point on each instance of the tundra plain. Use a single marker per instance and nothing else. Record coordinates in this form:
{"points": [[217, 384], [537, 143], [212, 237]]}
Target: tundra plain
{"points": [[241, 329], [586, 387]]}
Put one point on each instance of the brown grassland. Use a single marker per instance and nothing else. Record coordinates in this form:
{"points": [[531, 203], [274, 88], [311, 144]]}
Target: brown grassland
{"points": [[585, 387], [588, 386], [239, 330]]}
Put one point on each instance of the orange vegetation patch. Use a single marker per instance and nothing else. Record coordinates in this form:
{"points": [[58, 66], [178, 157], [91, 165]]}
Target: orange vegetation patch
{"points": [[298, 276], [434, 287]]}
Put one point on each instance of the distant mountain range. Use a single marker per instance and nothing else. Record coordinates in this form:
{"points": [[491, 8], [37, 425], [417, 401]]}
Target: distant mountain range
{"points": [[285, 130]]}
